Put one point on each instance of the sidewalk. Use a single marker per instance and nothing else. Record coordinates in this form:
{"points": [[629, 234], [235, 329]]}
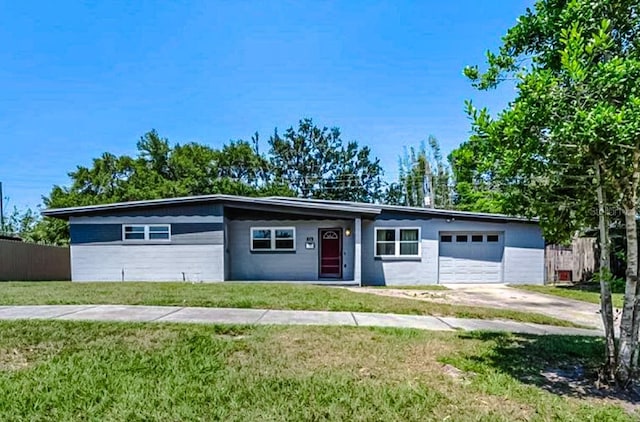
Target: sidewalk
{"points": [[134, 313]]}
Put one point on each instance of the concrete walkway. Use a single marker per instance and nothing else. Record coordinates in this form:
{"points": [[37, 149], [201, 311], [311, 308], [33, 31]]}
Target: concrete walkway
{"points": [[134, 313]]}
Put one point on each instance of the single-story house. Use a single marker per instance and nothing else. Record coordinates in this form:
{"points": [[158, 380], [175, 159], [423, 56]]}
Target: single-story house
{"points": [[217, 238]]}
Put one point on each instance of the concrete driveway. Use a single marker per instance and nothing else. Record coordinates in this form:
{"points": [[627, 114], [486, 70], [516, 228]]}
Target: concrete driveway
{"points": [[502, 296]]}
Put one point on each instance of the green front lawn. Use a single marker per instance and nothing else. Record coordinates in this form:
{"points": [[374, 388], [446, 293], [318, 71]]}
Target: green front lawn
{"points": [[61, 370], [573, 292], [245, 295]]}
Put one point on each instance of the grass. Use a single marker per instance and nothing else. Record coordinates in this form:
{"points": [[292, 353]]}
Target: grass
{"points": [[62, 370], [246, 295], [573, 292]]}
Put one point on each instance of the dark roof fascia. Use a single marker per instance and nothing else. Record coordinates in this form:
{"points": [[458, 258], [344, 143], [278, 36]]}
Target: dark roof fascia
{"points": [[94, 209], [460, 215], [324, 207], [270, 210], [432, 212], [291, 205], [10, 237], [238, 201]]}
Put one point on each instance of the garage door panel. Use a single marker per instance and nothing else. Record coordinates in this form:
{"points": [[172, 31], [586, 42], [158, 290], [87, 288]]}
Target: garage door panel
{"points": [[471, 262]]}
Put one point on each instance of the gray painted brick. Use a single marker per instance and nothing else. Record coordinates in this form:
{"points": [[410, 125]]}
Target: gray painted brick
{"points": [[301, 265], [168, 262], [181, 234], [523, 259]]}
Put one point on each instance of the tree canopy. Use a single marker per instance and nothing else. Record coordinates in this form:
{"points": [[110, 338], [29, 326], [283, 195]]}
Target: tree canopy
{"points": [[570, 138], [317, 163], [310, 162]]}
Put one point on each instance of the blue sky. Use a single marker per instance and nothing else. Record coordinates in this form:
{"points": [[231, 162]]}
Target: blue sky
{"points": [[80, 78]]}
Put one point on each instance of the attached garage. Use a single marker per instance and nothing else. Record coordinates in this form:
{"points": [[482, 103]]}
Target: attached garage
{"points": [[471, 257]]}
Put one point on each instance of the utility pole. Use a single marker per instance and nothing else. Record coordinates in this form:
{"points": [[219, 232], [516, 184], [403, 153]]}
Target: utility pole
{"points": [[1, 210]]}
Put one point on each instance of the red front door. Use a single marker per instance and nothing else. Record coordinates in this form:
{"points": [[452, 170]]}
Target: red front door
{"points": [[331, 253]]}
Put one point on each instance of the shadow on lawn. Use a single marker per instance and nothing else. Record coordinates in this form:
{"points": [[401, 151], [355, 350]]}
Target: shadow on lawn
{"points": [[564, 365]]}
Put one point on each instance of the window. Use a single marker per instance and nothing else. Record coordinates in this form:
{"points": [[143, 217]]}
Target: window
{"points": [[284, 239], [385, 242], [159, 232], [476, 238], [492, 238], [399, 242], [446, 238], [135, 232], [461, 238], [273, 239], [261, 239]]}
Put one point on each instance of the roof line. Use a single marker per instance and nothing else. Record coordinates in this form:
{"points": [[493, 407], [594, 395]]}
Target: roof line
{"points": [[420, 210], [328, 205], [62, 212]]}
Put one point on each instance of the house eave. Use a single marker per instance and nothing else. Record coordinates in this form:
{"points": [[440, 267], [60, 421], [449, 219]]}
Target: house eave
{"points": [[263, 204], [430, 212]]}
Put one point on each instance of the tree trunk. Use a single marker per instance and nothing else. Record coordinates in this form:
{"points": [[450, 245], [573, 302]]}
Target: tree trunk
{"points": [[606, 306], [636, 310], [627, 352]]}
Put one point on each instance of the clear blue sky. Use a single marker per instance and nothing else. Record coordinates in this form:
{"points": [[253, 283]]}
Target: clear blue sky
{"points": [[80, 78]]}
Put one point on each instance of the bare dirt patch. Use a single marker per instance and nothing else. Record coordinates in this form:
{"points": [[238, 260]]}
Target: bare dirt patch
{"points": [[317, 350], [145, 340], [13, 359], [18, 358], [364, 354], [577, 382]]}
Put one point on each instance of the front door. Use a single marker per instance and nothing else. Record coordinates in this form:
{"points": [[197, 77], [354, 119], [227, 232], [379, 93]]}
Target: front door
{"points": [[331, 253]]}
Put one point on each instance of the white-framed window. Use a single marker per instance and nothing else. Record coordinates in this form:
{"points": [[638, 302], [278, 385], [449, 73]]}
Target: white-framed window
{"points": [[146, 232], [397, 242], [273, 238]]}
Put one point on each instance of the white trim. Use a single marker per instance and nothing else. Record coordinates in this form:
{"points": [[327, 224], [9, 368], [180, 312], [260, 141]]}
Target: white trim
{"points": [[146, 233], [273, 239], [397, 242], [357, 251]]}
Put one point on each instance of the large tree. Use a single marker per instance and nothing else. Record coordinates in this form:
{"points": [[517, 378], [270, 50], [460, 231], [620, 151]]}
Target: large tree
{"points": [[474, 184], [570, 141], [161, 170], [311, 162], [317, 163]]}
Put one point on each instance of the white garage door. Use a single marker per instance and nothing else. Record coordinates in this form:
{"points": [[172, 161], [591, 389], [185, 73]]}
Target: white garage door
{"points": [[468, 257]]}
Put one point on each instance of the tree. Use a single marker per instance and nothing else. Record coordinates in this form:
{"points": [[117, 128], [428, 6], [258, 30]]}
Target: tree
{"points": [[310, 162], [571, 138], [239, 160], [473, 183], [394, 194], [19, 223], [424, 178], [316, 163], [161, 170]]}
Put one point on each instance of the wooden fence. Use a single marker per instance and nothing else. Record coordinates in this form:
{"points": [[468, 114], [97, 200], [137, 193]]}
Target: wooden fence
{"points": [[576, 262], [29, 261]]}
